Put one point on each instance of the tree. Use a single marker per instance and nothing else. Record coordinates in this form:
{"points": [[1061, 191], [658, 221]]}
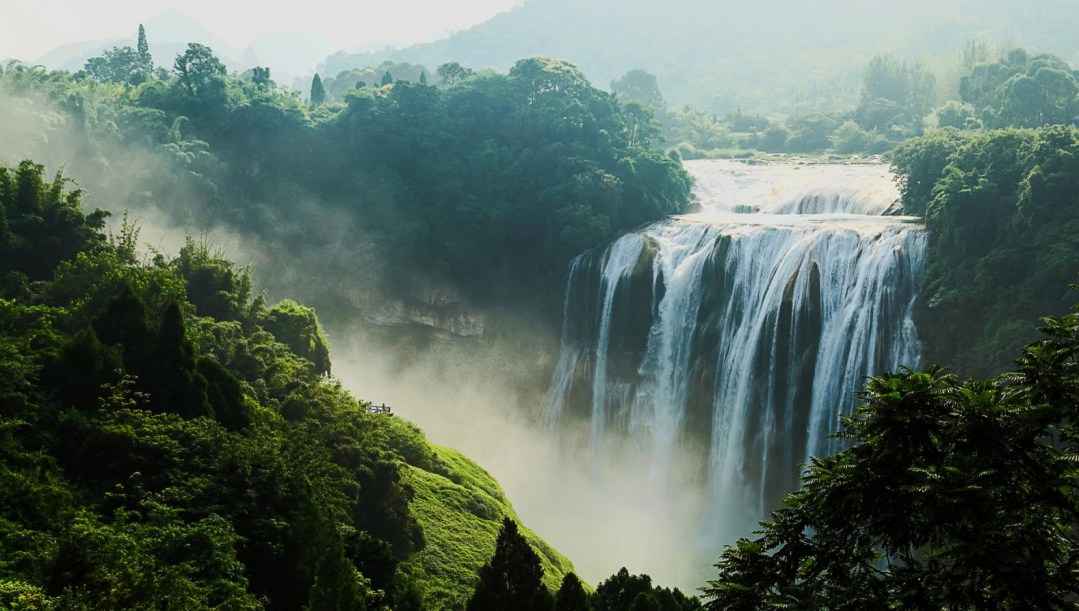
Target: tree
{"points": [[451, 73], [571, 596], [146, 61], [1006, 201], [513, 579], [297, 327], [387, 79], [546, 77], [176, 384], [620, 590], [895, 92], [774, 139], [117, 65], [956, 114], [260, 78], [811, 132], [851, 138], [744, 122], [640, 86], [1022, 90], [423, 77], [198, 69], [644, 601], [641, 124], [125, 323], [1047, 97], [318, 92], [699, 129], [225, 395], [955, 494]]}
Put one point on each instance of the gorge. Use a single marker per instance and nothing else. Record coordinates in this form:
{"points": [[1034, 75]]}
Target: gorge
{"points": [[737, 335]]}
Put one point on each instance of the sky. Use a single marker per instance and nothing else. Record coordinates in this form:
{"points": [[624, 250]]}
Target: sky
{"points": [[31, 28]]}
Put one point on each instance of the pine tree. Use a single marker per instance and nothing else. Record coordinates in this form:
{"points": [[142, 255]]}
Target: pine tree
{"points": [[571, 596], [387, 78], [318, 92], [224, 394], [6, 199], [423, 77], [333, 577], [177, 385], [125, 322], [513, 579], [145, 60], [83, 366]]}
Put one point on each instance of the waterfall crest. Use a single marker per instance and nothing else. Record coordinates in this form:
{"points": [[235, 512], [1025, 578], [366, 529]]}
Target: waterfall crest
{"points": [[745, 328]]}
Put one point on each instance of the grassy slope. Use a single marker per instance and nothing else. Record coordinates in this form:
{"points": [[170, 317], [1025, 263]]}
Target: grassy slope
{"points": [[461, 508]]}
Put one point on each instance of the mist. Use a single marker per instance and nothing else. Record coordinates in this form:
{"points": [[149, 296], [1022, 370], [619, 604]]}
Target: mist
{"points": [[603, 512], [634, 259], [479, 396]]}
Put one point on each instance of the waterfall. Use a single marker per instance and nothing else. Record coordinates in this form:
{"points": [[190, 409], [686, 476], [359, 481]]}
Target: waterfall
{"points": [[746, 327]]}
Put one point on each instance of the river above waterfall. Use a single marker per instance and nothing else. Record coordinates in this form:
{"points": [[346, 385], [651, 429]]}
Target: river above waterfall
{"points": [[739, 334]]}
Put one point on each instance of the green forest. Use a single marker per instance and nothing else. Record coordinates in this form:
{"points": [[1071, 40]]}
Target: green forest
{"points": [[496, 181], [984, 88], [173, 436]]}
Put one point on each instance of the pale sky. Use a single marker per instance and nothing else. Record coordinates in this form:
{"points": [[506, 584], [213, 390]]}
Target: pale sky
{"points": [[31, 28]]}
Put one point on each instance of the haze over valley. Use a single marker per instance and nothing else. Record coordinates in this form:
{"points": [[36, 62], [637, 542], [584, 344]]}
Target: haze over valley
{"points": [[540, 305]]}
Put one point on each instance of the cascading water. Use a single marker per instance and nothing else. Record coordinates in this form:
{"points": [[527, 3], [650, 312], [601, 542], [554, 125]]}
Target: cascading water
{"points": [[746, 327]]}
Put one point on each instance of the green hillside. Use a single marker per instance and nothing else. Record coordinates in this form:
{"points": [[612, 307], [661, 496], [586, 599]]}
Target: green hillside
{"points": [[169, 440], [461, 507]]}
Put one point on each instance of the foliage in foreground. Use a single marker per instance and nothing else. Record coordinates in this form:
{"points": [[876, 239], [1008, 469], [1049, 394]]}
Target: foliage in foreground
{"points": [[955, 494], [512, 579]]}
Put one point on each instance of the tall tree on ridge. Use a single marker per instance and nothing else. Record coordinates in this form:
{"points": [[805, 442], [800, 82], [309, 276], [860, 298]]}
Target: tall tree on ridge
{"points": [[571, 596], [146, 61], [318, 92], [513, 579]]}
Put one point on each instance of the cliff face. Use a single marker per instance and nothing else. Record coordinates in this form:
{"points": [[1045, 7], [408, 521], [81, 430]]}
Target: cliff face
{"points": [[437, 307]]}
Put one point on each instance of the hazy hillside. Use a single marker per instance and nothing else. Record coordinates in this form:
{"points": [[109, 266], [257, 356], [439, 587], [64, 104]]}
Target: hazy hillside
{"points": [[777, 56], [168, 34], [288, 54]]}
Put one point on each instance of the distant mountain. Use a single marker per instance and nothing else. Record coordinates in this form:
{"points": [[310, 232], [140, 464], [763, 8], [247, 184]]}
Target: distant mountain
{"points": [[168, 35], [291, 54], [287, 54], [172, 26], [65, 53], [775, 56]]}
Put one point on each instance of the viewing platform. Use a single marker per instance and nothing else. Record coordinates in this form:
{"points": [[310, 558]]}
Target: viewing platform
{"points": [[384, 410]]}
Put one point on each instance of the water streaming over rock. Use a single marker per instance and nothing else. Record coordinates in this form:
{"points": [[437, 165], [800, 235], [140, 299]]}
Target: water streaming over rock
{"points": [[745, 328]]}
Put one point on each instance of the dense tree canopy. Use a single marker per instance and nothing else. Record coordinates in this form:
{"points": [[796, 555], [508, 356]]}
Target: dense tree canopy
{"points": [[1023, 90], [1001, 211], [169, 441], [640, 86], [955, 494], [491, 182], [625, 592]]}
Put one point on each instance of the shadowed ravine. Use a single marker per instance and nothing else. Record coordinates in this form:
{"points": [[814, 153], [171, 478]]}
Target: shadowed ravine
{"points": [[743, 329]]}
